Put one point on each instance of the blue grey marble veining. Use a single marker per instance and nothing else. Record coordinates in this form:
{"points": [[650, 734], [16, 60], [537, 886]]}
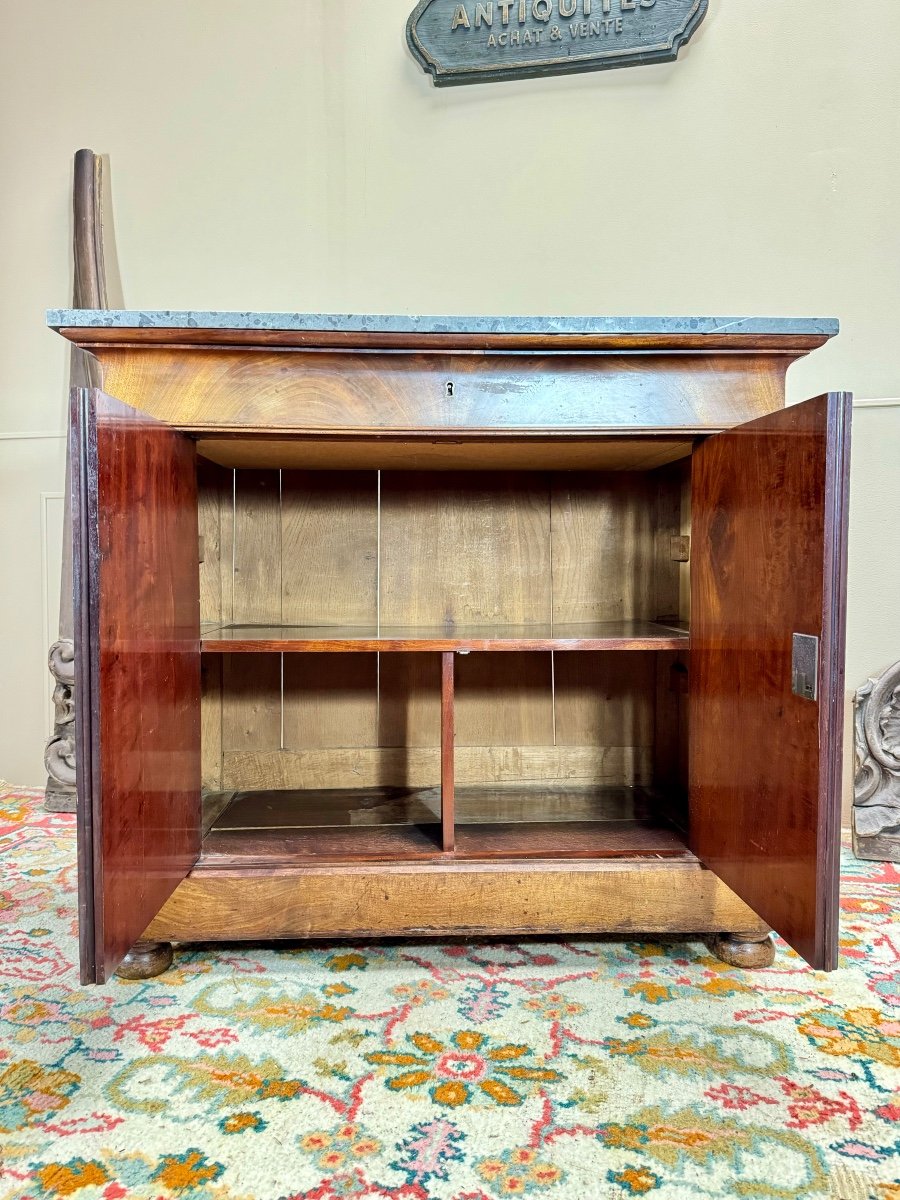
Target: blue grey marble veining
{"points": [[59, 318]]}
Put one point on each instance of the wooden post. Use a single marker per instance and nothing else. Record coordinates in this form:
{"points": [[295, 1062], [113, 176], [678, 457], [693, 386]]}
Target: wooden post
{"points": [[88, 291], [448, 823]]}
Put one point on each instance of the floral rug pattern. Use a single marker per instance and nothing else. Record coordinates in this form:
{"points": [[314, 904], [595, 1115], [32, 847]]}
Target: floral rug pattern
{"points": [[459, 1071]]}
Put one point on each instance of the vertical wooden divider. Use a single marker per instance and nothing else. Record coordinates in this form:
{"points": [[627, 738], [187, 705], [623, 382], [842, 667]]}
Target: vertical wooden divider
{"points": [[448, 822]]}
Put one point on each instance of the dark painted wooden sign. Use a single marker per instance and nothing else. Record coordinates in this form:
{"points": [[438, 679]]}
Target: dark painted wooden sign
{"points": [[472, 41]]}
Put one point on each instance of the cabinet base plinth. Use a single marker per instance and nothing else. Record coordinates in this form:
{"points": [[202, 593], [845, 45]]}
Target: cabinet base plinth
{"points": [[623, 897], [744, 950], [145, 959]]}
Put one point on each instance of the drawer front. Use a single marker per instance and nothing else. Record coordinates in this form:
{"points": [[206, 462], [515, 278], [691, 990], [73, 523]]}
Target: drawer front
{"points": [[397, 393]]}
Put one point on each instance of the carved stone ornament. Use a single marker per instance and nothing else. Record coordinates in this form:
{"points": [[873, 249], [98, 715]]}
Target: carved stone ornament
{"points": [[59, 756], [876, 798]]}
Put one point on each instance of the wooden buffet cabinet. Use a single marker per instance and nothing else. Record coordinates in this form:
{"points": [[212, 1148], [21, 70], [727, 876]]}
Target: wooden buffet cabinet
{"points": [[429, 627]]}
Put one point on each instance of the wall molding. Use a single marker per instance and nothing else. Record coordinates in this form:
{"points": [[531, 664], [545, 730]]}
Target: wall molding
{"points": [[876, 403], [50, 577], [29, 436]]}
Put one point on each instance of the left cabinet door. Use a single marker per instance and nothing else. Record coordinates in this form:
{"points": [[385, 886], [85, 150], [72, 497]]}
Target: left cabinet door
{"points": [[137, 654]]}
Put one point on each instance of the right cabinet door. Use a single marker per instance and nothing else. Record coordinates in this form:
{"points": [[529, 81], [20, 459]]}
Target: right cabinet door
{"points": [[769, 525]]}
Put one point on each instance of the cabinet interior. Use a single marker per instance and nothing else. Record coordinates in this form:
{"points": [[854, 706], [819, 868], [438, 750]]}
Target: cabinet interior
{"points": [[330, 597]]}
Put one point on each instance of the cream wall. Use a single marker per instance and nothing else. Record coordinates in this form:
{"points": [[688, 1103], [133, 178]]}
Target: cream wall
{"points": [[291, 155]]}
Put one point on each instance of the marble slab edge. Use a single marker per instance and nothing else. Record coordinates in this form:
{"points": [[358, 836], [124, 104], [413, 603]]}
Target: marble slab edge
{"points": [[74, 318]]}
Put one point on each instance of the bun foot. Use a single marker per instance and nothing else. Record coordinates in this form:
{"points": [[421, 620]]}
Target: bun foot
{"points": [[146, 959], [744, 950]]}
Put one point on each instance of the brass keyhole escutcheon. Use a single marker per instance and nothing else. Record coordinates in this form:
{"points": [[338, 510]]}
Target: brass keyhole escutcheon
{"points": [[448, 388]]}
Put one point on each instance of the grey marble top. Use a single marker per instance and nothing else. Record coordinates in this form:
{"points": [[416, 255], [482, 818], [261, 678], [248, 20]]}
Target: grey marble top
{"points": [[59, 318]]}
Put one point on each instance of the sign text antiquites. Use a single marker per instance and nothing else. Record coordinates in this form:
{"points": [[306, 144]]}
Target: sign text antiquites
{"points": [[472, 41]]}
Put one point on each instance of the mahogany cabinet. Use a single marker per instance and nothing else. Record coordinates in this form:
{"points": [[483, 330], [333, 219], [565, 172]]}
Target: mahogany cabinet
{"points": [[426, 627]]}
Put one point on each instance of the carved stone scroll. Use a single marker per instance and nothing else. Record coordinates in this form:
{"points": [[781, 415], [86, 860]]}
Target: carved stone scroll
{"points": [[876, 799], [59, 756]]}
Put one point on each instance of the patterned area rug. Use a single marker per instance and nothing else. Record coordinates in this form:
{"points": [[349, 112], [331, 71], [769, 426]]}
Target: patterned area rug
{"points": [[454, 1071]]}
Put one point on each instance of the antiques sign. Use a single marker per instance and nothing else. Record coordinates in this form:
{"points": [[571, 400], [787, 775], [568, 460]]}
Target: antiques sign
{"points": [[471, 41]]}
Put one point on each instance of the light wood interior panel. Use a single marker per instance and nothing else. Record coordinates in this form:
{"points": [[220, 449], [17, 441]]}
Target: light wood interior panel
{"points": [[251, 713], [257, 547], [476, 898], [612, 545], [211, 722], [465, 547], [330, 700], [215, 519], [525, 548], [214, 485], [633, 453], [608, 699], [420, 766], [409, 700], [604, 698], [504, 700], [670, 741], [329, 546]]}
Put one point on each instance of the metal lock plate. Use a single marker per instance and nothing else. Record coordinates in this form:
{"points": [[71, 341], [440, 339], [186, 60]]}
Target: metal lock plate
{"points": [[805, 666]]}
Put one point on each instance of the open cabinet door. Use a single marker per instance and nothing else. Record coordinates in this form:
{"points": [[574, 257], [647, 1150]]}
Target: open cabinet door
{"points": [[137, 650], [769, 518]]}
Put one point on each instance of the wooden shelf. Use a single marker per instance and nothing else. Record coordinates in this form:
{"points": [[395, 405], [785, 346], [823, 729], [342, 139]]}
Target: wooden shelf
{"points": [[576, 839], [290, 828], [309, 844], [298, 639]]}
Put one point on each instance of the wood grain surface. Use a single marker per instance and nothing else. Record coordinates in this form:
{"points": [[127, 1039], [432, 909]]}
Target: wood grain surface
{"points": [[335, 639], [465, 899], [448, 750], [466, 548], [493, 804], [769, 514], [419, 766], [139, 641], [329, 547], [564, 451], [210, 390]]}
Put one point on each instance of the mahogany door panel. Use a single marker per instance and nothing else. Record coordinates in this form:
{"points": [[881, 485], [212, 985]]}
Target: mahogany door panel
{"points": [[137, 645], [769, 518]]}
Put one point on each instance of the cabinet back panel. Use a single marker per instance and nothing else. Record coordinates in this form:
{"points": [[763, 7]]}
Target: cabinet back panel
{"points": [[411, 548], [420, 766], [504, 700], [409, 700], [251, 702], [605, 699], [465, 548], [350, 721], [330, 700], [211, 666], [670, 739], [329, 547], [603, 530], [257, 550], [215, 512]]}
